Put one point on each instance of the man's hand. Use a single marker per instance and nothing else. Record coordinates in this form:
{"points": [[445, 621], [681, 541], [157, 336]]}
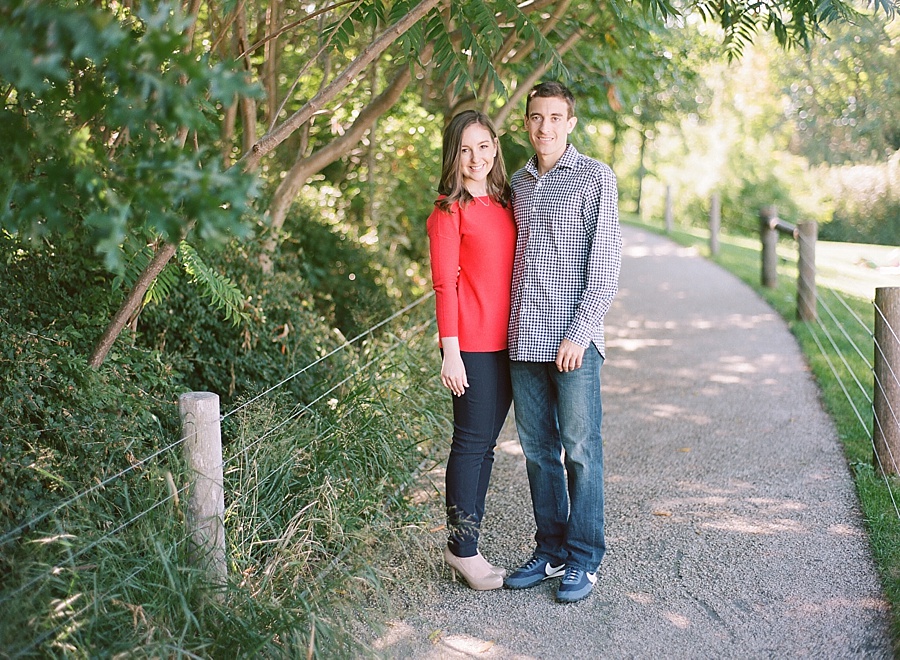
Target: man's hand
{"points": [[569, 355]]}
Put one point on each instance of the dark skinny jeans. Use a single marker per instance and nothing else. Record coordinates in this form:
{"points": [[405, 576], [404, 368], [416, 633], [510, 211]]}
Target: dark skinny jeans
{"points": [[478, 416]]}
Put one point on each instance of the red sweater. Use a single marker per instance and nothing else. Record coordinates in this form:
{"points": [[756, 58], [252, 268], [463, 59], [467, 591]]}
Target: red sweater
{"points": [[472, 251]]}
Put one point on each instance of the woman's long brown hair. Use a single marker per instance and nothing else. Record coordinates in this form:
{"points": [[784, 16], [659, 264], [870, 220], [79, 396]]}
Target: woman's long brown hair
{"points": [[451, 184]]}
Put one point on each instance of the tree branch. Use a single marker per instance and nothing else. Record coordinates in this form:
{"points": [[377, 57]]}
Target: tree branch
{"points": [[546, 28], [525, 85], [131, 304], [275, 137], [292, 25], [304, 168]]}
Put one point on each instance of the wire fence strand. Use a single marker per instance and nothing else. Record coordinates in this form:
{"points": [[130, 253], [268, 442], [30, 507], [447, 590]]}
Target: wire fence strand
{"points": [[343, 346], [833, 355], [10, 535], [56, 567]]}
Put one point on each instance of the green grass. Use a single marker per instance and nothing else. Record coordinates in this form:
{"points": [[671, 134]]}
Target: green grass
{"points": [[839, 348], [313, 494]]}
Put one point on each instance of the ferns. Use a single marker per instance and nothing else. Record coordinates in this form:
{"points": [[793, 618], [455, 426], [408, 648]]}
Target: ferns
{"points": [[220, 290], [222, 293]]}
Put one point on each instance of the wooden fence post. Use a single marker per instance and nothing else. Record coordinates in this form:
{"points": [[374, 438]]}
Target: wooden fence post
{"points": [[886, 404], [669, 221], [807, 234], [715, 221], [769, 238], [201, 431]]}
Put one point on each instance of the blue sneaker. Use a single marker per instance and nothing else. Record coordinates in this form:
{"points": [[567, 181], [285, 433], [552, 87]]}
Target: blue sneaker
{"points": [[576, 584], [532, 573]]}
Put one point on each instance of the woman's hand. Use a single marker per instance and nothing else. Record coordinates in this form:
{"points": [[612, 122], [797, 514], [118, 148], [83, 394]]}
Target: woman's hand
{"points": [[453, 371]]}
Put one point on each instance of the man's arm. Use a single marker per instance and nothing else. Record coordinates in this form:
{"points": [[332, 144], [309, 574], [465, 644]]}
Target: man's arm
{"points": [[603, 264]]}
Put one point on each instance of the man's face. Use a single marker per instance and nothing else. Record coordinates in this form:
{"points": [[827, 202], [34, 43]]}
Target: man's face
{"points": [[548, 126]]}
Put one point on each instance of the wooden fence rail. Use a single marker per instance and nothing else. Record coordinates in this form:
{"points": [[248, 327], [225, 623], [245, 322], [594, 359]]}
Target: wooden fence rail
{"points": [[806, 233]]}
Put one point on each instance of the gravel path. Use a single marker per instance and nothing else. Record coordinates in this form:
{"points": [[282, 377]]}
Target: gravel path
{"points": [[733, 529]]}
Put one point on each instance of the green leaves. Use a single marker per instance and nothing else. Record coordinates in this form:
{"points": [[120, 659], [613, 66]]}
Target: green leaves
{"points": [[793, 22], [96, 111], [468, 38], [343, 29], [218, 289]]}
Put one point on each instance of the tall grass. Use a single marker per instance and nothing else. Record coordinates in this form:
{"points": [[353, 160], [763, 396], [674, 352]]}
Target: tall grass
{"points": [[840, 351], [313, 492]]}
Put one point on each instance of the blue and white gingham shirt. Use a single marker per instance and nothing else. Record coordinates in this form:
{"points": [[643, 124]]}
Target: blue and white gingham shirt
{"points": [[568, 255]]}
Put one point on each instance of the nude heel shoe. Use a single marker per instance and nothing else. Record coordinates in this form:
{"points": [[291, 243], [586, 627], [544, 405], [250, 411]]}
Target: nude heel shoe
{"points": [[474, 570], [499, 570]]}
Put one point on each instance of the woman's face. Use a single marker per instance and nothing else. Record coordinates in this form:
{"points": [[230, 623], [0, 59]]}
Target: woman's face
{"points": [[477, 153]]}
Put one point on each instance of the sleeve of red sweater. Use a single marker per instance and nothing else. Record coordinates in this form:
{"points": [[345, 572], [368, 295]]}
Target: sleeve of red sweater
{"points": [[444, 238]]}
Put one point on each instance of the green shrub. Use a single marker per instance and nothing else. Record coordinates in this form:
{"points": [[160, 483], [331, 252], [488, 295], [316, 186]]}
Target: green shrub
{"points": [[284, 331], [93, 544], [61, 422], [342, 275], [866, 203]]}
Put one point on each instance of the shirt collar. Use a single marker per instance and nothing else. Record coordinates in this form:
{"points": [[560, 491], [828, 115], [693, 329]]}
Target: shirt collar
{"points": [[568, 159]]}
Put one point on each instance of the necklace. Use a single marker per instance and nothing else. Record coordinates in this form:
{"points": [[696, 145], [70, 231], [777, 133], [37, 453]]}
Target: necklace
{"points": [[478, 199]]}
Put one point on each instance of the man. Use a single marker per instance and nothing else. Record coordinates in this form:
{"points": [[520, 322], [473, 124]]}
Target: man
{"points": [[565, 274]]}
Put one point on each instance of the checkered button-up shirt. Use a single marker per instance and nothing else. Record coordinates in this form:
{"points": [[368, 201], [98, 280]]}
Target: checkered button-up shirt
{"points": [[568, 254]]}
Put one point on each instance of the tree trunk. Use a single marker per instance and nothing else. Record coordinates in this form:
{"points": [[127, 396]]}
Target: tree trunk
{"points": [[640, 173], [370, 151], [132, 304], [248, 105], [270, 61], [228, 122]]}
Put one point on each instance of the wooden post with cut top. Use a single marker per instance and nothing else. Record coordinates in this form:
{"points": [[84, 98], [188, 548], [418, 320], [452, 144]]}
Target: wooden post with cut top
{"points": [[807, 233], [769, 239], [669, 220], [202, 436], [886, 402], [769, 226], [715, 221]]}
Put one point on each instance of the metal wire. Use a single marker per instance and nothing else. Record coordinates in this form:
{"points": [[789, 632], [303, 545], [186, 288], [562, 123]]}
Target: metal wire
{"points": [[869, 398], [308, 406], [328, 355], [4, 598], [6, 537]]}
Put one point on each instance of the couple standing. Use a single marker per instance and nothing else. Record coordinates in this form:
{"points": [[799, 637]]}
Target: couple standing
{"points": [[524, 272]]}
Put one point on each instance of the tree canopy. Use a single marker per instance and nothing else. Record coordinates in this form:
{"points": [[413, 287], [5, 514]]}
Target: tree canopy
{"points": [[142, 124]]}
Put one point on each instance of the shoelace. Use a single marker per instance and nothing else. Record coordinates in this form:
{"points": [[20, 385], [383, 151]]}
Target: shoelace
{"points": [[572, 575]]}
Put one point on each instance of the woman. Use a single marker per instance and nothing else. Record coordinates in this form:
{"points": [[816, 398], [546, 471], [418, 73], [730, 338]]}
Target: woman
{"points": [[472, 239]]}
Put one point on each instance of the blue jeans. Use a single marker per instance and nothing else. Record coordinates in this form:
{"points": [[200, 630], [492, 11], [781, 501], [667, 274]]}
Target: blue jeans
{"points": [[558, 418], [478, 417]]}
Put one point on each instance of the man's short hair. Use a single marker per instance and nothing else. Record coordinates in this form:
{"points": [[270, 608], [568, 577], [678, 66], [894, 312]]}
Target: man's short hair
{"points": [[551, 89]]}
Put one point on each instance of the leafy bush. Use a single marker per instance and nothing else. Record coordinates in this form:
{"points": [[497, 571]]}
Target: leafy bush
{"points": [[319, 485], [324, 288], [866, 201], [94, 101], [61, 422], [343, 277], [283, 331]]}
